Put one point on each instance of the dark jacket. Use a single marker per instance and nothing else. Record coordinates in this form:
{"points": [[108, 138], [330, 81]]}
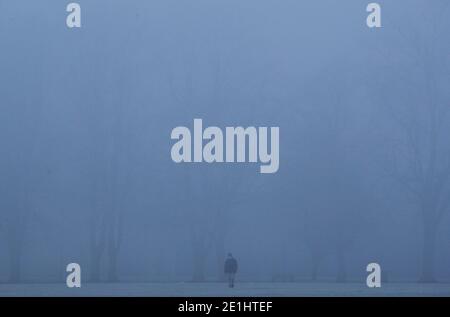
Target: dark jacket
{"points": [[231, 265]]}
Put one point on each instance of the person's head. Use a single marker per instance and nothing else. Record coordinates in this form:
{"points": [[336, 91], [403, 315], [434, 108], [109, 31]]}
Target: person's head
{"points": [[230, 255]]}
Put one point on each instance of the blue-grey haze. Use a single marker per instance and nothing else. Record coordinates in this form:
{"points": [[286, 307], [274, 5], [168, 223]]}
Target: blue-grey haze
{"points": [[86, 114]]}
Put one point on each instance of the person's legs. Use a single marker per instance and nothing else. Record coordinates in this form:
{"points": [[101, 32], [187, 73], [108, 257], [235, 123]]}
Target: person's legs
{"points": [[232, 279]]}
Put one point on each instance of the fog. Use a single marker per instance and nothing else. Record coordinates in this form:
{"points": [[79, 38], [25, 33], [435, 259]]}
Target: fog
{"points": [[86, 117]]}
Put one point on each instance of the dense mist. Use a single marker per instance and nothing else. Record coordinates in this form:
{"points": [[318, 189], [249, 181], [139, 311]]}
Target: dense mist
{"points": [[86, 115]]}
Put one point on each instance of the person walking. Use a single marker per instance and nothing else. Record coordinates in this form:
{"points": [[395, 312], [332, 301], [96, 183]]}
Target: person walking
{"points": [[231, 267]]}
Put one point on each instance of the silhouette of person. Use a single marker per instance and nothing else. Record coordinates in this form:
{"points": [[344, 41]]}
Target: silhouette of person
{"points": [[231, 267]]}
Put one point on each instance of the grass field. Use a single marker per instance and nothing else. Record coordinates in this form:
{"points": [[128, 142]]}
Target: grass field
{"points": [[219, 289]]}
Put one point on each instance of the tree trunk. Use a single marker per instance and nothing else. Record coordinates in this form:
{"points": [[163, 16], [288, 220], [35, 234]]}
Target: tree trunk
{"points": [[315, 267], [95, 265], [220, 253], [199, 263], [428, 253], [199, 270], [112, 267], [15, 260], [342, 269]]}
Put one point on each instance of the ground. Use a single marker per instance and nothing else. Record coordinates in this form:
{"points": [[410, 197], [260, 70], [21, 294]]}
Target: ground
{"points": [[218, 289]]}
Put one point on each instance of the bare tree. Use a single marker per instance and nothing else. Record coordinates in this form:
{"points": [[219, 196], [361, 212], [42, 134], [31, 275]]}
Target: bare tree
{"points": [[213, 192], [332, 223], [26, 175], [110, 168], [420, 157]]}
